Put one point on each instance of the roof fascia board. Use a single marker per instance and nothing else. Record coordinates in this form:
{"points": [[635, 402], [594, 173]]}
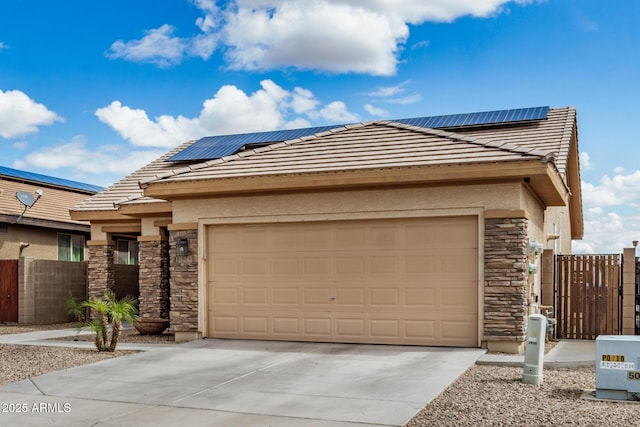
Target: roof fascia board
{"points": [[147, 209], [43, 223], [540, 174], [104, 215]]}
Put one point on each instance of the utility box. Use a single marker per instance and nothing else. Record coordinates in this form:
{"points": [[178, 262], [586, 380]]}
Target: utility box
{"points": [[618, 367], [534, 349]]}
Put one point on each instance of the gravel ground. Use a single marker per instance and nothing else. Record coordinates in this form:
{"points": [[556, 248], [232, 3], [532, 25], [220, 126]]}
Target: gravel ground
{"points": [[496, 396], [483, 396], [19, 362]]}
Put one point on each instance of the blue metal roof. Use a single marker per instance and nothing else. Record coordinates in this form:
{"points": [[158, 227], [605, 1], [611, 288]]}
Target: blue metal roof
{"points": [[50, 180], [215, 147]]}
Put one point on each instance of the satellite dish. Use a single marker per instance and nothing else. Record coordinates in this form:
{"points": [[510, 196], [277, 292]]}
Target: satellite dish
{"points": [[25, 198], [27, 201]]}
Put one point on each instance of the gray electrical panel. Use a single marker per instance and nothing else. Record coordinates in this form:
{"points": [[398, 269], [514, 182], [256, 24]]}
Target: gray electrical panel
{"points": [[618, 367]]}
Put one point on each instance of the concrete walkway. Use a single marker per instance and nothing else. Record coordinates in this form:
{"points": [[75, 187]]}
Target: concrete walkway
{"points": [[240, 383], [566, 354]]}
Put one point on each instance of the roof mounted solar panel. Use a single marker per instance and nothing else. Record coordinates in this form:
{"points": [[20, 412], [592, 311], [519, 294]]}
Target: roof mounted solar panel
{"points": [[45, 179], [215, 147], [479, 119]]}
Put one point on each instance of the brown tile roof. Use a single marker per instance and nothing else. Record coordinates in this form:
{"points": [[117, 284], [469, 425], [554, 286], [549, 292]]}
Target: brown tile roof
{"points": [[52, 206], [374, 145], [127, 189], [356, 147]]}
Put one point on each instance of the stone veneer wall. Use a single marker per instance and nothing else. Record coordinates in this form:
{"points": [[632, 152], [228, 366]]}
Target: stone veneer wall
{"points": [[100, 273], [505, 280], [154, 279], [184, 283]]}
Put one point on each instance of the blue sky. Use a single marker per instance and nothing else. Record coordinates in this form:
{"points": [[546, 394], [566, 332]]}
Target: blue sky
{"points": [[92, 90]]}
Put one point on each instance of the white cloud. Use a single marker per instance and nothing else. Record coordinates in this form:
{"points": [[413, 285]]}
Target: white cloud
{"points": [[337, 36], [619, 170], [585, 161], [21, 115], [421, 44], [607, 232], [135, 125], [158, 46], [3, 46], [336, 111], [394, 94], [388, 91], [619, 190], [230, 110], [75, 154], [611, 218], [20, 145], [375, 111], [320, 35]]}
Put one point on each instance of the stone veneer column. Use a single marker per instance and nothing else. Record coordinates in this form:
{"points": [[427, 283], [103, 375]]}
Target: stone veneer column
{"points": [[100, 271], [505, 283], [184, 283], [153, 277]]}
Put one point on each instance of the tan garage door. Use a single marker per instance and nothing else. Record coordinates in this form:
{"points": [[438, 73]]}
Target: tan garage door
{"points": [[399, 281]]}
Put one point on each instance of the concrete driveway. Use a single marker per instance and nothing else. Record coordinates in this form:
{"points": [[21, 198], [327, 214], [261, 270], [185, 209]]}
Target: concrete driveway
{"points": [[242, 383]]}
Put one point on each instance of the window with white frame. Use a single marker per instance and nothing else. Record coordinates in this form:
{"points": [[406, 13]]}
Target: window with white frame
{"points": [[127, 252], [70, 247]]}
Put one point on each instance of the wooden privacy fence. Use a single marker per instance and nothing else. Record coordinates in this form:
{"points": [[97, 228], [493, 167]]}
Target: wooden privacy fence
{"points": [[588, 295]]}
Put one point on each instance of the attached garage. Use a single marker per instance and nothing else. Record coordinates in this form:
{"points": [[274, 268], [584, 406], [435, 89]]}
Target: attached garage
{"points": [[383, 281], [414, 231]]}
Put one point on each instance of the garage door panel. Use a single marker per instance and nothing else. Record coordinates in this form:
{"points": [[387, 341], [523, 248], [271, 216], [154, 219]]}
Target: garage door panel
{"points": [[379, 281], [317, 327], [351, 297], [289, 326], [420, 297], [317, 296], [255, 325], [222, 295], [350, 328], [286, 296]]}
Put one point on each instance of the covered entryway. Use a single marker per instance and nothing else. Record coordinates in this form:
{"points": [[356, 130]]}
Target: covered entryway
{"points": [[392, 281]]}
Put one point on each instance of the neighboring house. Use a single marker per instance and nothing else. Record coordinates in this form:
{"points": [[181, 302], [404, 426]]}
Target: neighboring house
{"points": [[36, 233], [45, 231], [423, 231]]}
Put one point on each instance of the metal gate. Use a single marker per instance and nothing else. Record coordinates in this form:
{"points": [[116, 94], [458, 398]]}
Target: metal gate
{"points": [[8, 290], [588, 289]]}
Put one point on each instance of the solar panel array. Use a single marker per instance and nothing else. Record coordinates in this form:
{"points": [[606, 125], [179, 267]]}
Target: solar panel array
{"points": [[50, 180], [215, 147], [479, 119]]}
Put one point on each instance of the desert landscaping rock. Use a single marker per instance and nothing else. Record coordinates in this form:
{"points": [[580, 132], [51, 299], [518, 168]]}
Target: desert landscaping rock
{"points": [[483, 396], [496, 396], [20, 362]]}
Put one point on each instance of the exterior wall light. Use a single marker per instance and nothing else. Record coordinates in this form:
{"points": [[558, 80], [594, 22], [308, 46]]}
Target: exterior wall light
{"points": [[182, 247]]}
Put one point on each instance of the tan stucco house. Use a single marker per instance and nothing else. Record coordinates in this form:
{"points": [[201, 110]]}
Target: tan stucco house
{"points": [[45, 230], [424, 231]]}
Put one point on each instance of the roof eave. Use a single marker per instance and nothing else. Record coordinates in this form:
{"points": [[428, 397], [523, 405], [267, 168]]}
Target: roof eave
{"points": [[98, 215], [542, 176]]}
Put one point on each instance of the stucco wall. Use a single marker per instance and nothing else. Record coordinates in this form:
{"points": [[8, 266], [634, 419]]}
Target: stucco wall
{"points": [[561, 217], [43, 243], [502, 196]]}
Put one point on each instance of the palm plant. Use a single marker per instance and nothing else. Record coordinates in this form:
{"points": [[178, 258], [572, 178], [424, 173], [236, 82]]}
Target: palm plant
{"points": [[99, 312]]}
